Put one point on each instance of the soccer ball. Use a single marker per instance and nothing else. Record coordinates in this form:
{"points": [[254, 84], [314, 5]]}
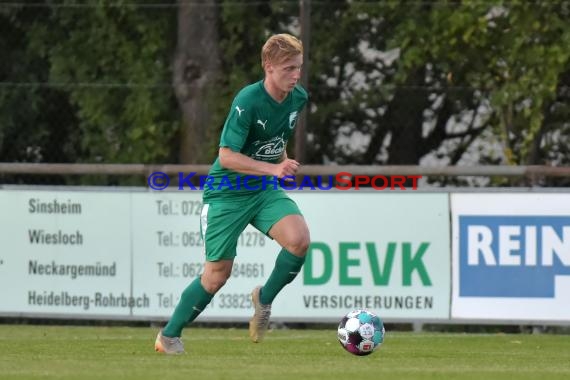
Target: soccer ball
{"points": [[361, 332]]}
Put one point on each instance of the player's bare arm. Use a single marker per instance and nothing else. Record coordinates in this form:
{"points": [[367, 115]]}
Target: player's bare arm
{"points": [[243, 164]]}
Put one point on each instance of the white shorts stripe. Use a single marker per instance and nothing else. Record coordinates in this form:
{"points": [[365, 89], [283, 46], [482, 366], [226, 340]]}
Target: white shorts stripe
{"points": [[204, 221]]}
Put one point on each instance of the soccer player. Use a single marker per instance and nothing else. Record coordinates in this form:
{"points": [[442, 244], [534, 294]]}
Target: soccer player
{"points": [[252, 154]]}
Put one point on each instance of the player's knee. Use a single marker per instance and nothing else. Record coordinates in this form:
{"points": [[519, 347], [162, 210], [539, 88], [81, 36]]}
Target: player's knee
{"points": [[299, 245], [213, 283]]}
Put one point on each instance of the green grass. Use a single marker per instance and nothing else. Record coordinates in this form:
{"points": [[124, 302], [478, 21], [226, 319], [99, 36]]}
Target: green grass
{"points": [[65, 352]]}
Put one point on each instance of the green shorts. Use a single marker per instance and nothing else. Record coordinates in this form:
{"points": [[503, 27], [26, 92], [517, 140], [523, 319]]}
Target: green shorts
{"points": [[221, 223]]}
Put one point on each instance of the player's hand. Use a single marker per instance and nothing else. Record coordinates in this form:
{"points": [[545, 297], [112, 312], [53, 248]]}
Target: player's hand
{"points": [[286, 167]]}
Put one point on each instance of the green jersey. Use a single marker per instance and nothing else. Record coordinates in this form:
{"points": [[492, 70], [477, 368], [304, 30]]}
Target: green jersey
{"points": [[258, 127]]}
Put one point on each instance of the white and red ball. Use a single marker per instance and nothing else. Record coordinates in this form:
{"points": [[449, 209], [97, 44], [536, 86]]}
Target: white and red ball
{"points": [[360, 332]]}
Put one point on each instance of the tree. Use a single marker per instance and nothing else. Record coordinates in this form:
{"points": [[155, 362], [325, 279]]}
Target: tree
{"points": [[37, 123], [429, 78], [112, 64], [431, 82], [197, 65]]}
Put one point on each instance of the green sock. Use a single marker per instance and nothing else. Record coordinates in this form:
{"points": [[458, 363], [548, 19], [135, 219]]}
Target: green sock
{"points": [[287, 266], [193, 301]]}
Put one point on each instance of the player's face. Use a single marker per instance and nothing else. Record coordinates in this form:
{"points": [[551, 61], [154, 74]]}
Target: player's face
{"points": [[286, 74]]}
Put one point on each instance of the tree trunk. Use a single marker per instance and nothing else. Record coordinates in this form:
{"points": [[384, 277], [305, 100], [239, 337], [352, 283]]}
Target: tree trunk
{"points": [[405, 119], [196, 71]]}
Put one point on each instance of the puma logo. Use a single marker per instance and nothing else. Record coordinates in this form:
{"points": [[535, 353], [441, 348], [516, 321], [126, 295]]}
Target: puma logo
{"points": [[262, 123], [239, 111]]}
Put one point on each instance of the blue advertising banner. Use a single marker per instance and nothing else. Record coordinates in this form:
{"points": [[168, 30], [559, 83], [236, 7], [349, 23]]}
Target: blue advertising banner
{"points": [[511, 256]]}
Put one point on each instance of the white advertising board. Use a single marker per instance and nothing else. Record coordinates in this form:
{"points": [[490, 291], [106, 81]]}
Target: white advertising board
{"points": [[386, 252], [168, 255], [511, 256], [65, 252], [131, 254]]}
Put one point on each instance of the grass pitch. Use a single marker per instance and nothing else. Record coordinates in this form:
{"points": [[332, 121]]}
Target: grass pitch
{"points": [[66, 352]]}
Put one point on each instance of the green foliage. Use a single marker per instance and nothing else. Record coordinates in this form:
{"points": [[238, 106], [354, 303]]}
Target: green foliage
{"points": [[126, 52], [499, 64], [111, 67], [390, 82], [27, 108], [245, 25]]}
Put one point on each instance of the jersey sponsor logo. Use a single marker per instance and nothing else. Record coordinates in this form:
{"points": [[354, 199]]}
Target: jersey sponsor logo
{"points": [[269, 150], [512, 256], [239, 110], [292, 119], [262, 123]]}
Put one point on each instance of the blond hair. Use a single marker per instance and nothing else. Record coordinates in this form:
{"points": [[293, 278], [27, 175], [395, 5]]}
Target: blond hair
{"points": [[279, 48]]}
